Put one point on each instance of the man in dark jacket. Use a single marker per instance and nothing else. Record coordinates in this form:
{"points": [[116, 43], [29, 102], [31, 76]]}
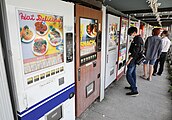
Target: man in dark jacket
{"points": [[134, 50]]}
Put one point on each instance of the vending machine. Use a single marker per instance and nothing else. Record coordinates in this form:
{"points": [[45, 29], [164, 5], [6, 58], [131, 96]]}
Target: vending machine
{"points": [[88, 56], [41, 35], [122, 52], [112, 42]]}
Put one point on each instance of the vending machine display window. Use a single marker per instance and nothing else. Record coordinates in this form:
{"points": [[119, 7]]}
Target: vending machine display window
{"points": [[41, 37], [123, 38], [113, 36], [88, 40]]}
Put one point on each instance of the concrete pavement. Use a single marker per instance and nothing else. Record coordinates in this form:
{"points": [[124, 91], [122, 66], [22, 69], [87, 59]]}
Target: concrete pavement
{"points": [[153, 103]]}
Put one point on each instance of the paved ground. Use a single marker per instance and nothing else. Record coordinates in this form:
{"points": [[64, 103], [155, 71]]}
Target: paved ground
{"points": [[153, 103]]}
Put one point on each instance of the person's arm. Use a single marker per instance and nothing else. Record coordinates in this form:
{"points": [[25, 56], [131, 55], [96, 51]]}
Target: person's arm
{"points": [[129, 60], [160, 49], [146, 44]]}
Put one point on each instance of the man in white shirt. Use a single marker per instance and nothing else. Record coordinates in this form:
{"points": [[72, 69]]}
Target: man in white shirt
{"points": [[165, 47]]}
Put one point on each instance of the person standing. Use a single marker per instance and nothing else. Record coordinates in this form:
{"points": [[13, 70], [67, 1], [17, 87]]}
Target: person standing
{"points": [[165, 47], [153, 47], [134, 50]]}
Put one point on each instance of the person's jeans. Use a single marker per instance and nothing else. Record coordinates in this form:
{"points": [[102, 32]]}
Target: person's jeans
{"points": [[131, 75]]}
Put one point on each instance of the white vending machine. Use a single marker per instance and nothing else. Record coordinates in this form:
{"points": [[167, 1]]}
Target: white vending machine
{"points": [[112, 39], [41, 35]]}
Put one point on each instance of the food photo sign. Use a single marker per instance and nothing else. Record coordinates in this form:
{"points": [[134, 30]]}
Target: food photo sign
{"points": [[88, 36], [41, 37], [113, 36], [124, 27]]}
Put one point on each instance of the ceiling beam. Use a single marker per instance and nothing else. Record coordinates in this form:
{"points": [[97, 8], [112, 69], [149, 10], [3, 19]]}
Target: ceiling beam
{"points": [[163, 24], [163, 16], [147, 10]]}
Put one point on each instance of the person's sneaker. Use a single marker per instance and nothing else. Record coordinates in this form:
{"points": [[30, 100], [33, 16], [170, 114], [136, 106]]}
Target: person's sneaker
{"points": [[128, 88], [154, 74], [134, 94]]}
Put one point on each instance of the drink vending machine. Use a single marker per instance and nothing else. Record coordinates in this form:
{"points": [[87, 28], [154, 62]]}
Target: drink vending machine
{"points": [[42, 47], [112, 39]]}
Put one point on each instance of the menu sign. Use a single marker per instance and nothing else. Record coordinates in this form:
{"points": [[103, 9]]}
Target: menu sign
{"points": [[41, 37], [88, 34]]}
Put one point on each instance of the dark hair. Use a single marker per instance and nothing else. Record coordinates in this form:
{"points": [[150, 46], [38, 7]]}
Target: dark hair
{"points": [[165, 32], [156, 31], [131, 30]]}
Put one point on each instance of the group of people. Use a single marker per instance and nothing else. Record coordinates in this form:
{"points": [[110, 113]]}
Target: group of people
{"points": [[155, 49]]}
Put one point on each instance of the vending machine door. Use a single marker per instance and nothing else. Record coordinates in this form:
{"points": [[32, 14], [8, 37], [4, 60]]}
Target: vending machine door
{"points": [[88, 56], [42, 41], [112, 38]]}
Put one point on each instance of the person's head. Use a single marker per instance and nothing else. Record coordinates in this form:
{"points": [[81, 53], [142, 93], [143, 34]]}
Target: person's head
{"points": [[156, 31], [164, 33], [132, 31]]}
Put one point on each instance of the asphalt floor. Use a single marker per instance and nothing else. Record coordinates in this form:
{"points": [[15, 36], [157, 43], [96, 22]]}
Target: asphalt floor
{"points": [[153, 103]]}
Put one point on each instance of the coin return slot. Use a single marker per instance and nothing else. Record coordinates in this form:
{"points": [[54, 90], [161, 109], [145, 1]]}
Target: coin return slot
{"points": [[56, 114], [61, 81]]}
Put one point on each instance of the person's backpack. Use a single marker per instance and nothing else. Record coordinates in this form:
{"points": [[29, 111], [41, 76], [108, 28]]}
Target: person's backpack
{"points": [[141, 56]]}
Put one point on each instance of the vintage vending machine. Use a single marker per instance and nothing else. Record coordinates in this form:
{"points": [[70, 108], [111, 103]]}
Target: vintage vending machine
{"points": [[112, 42], [122, 52], [42, 46], [88, 56]]}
